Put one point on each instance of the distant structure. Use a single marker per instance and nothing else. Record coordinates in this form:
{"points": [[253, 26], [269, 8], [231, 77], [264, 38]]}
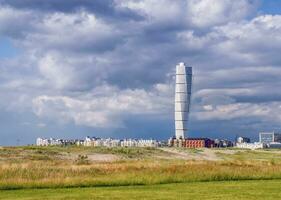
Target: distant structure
{"points": [[243, 140], [99, 142], [182, 99], [191, 143], [245, 145], [198, 143], [109, 142], [270, 137], [54, 142], [222, 143]]}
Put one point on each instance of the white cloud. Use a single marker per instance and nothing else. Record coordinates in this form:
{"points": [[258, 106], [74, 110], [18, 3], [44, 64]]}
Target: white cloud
{"points": [[15, 23], [206, 13], [106, 107], [57, 72], [208, 107], [198, 13], [253, 41], [160, 11], [268, 112], [75, 31]]}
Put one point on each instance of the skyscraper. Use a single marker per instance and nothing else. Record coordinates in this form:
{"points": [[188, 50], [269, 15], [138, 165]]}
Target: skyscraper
{"points": [[182, 99]]}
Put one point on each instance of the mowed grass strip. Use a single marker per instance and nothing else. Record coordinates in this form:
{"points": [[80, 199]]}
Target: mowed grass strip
{"points": [[234, 190]]}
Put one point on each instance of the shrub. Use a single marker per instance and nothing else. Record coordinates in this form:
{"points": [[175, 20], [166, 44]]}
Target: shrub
{"points": [[82, 160]]}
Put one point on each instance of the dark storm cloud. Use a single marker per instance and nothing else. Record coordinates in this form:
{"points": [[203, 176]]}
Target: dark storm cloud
{"points": [[103, 8]]}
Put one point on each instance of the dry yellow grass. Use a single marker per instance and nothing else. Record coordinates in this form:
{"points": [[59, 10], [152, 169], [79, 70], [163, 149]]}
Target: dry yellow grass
{"points": [[39, 174], [26, 169]]}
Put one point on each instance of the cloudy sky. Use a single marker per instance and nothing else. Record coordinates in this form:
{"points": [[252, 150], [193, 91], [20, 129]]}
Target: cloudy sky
{"points": [[73, 68]]}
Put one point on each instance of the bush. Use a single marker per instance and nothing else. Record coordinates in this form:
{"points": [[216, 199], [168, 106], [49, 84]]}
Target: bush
{"points": [[82, 160]]}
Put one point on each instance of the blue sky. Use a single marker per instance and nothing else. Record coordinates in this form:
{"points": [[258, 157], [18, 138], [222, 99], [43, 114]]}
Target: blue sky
{"points": [[7, 49], [270, 7], [74, 68]]}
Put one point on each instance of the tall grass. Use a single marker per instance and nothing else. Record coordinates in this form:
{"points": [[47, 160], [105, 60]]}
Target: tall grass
{"points": [[47, 167], [49, 175]]}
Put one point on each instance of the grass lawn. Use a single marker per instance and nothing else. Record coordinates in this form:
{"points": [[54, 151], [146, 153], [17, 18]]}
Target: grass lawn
{"points": [[257, 189]]}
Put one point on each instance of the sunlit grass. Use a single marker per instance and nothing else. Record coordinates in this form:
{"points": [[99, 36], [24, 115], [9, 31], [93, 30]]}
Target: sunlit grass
{"points": [[264, 155], [47, 167], [47, 175], [234, 190]]}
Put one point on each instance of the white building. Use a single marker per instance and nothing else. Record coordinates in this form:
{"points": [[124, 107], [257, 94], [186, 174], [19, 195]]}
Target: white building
{"points": [[98, 142], [139, 143], [243, 140], [88, 142], [53, 142], [42, 142], [182, 99], [147, 143], [255, 145], [128, 143]]}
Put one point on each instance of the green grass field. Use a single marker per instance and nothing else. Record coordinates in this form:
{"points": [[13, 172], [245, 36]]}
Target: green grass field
{"points": [[234, 190], [138, 173]]}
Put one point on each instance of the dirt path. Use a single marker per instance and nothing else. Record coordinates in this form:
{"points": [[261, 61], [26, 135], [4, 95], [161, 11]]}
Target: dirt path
{"points": [[187, 154], [103, 157], [93, 157]]}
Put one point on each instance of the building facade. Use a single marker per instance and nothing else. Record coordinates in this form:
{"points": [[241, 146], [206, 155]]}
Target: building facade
{"points": [[182, 99], [191, 143], [198, 143]]}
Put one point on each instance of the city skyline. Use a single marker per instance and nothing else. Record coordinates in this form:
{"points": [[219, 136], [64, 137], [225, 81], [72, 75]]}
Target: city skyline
{"points": [[69, 68]]}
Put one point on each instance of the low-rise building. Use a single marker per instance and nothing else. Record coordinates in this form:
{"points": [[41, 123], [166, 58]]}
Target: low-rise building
{"points": [[223, 143], [109, 142], [191, 143], [139, 143], [54, 142], [243, 140], [255, 145], [42, 142], [89, 141], [274, 145], [79, 142], [198, 143], [173, 142], [147, 143]]}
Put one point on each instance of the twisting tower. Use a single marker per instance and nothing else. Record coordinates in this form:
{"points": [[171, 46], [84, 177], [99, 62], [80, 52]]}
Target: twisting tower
{"points": [[182, 99]]}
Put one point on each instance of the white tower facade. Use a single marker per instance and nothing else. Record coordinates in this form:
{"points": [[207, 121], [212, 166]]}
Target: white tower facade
{"points": [[182, 99]]}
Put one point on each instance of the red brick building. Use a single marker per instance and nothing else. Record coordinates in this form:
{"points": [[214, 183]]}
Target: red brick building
{"points": [[198, 143]]}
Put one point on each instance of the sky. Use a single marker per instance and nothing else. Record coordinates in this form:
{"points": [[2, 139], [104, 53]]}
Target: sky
{"points": [[105, 68]]}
